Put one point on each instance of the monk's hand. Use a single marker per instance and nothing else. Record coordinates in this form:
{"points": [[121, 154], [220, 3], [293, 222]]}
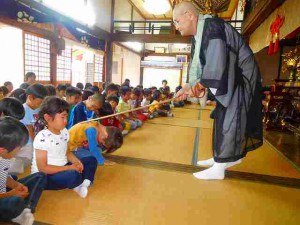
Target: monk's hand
{"points": [[183, 93], [196, 90]]}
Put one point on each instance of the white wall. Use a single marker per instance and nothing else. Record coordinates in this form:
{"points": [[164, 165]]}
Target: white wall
{"points": [[103, 13], [130, 66], [11, 56], [154, 77]]}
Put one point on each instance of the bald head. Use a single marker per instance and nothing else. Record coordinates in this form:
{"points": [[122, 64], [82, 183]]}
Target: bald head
{"points": [[185, 17], [184, 6]]}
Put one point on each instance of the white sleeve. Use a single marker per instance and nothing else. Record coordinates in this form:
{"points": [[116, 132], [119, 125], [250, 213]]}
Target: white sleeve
{"points": [[40, 142]]}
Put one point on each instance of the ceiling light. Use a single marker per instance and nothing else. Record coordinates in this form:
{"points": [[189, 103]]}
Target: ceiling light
{"points": [[153, 7]]}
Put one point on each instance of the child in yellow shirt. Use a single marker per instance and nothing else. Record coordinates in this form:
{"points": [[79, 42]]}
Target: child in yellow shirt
{"points": [[95, 137]]}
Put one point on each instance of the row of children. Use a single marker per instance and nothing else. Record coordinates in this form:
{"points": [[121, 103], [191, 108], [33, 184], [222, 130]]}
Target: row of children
{"points": [[61, 158]]}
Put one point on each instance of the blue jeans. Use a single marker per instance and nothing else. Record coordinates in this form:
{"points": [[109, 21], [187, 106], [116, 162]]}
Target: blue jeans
{"points": [[71, 178], [12, 207]]}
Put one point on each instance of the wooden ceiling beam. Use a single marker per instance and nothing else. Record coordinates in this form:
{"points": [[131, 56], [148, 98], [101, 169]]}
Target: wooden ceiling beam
{"points": [[136, 9], [96, 31], [147, 38]]}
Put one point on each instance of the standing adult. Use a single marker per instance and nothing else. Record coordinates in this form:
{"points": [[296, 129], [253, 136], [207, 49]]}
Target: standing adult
{"points": [[224, 63]]}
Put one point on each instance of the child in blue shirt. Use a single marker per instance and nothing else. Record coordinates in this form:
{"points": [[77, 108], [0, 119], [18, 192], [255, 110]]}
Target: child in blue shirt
{"points": [[85, 110]]}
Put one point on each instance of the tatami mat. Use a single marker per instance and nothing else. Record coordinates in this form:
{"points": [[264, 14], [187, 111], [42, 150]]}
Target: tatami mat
{"points": [[159, 142], [127, 195]]}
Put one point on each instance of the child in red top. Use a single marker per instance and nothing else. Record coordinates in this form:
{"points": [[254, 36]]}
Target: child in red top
{"points": [[112, 121]]}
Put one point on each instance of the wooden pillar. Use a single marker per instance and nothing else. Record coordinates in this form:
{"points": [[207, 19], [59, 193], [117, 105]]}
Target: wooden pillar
{"points": [[53, 62], [141, 73], [108, 62]]}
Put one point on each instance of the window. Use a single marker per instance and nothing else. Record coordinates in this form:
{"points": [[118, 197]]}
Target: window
{"points": [[89, 73], [64, 65], [37, 56], [98, 68]]}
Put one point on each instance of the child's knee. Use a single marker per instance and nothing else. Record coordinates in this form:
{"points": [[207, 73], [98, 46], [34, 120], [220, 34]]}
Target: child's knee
{"points": [[74, 178]]}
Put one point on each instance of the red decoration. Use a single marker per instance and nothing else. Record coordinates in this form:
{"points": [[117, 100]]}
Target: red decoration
{"points": [[275, 33]]}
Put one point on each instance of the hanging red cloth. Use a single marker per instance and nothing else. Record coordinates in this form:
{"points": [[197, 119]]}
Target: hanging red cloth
{"points": [[275, 33]]}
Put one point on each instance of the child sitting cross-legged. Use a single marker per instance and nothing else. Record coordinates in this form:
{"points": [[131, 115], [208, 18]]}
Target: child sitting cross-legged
{"points": [[85, 110], [95, 138], [73, 170], [18, 199], [155, 109], [113, 101], [135, 102], [125, 106]]}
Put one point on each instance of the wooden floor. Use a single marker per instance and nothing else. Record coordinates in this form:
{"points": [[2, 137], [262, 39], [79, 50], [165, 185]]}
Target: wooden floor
{"points": [[153, 186]]}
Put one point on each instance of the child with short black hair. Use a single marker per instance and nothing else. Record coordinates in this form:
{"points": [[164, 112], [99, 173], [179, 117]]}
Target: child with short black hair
{"points": [[51, 91], [25, 85], [124, 105], [73, 97], [85, 110], [90, 135], [80, 86], [12, 107], [19, 94], [9, 85], [4, 91], [64, 169], [135, 102], [18, 199], [35, 95], [155, 108], [61, 91]]}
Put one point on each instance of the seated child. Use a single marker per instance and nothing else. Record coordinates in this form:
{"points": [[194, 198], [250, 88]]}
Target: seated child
{"points": [[18, 199], [85, 110], [63, 169], [155, 109], [12, 107], [51, 90], [135, 103], [73, 97], [125, 106], [89, 136], [113, 121], [35, 94], [19, 94], [61, 91]]}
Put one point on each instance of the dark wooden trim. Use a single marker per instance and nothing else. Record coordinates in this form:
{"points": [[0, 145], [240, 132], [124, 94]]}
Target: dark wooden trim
{"points": [[256, 17], [169, 54], [136, 9], [112, 16], [53, 63], [29, 28], [244, 176], [108, 62], [96, 31], [142, 73], [148, 38]]}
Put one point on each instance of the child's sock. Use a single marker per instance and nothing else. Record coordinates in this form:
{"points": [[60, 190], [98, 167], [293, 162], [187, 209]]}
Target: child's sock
{"points": [[169, 114], [86, 183], [25, 218], [81, 190]]}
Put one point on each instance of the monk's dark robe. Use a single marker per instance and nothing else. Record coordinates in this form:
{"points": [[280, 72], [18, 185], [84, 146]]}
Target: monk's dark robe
{"points": [[228, 65]]}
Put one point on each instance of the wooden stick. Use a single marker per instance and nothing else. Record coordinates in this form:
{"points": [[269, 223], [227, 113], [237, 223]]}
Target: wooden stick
{"points": [[128, 111]]}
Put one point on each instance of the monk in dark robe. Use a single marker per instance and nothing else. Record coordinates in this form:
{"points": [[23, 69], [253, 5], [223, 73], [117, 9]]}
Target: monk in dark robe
{"points": [[223, 63]]}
